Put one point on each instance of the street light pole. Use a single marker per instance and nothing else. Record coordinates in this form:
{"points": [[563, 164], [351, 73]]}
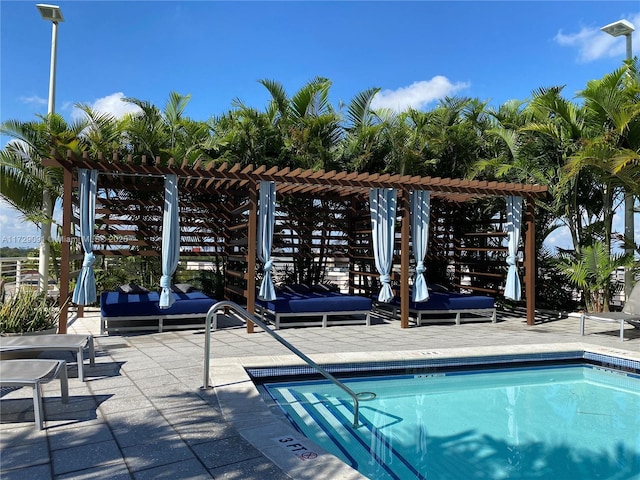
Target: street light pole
{"points": [[53, 14], [51, 108], [615, 29]]}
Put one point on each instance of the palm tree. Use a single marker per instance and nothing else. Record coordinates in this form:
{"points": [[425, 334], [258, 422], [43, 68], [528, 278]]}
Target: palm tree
{"points": [[104, 133], [164, 134], [309, 125], [554, 131], [404, 141], [361, 148], [613, 104], [608, 145], [591, 270], [454, 141], [579, 151], [25, 183], [246, 136]]}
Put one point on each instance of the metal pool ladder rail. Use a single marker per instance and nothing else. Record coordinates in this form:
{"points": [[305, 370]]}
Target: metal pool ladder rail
{"points": [[213, 311]]}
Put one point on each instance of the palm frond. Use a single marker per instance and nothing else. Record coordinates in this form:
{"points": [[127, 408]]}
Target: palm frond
{"points": [[175, 106], [359, 110], [278, 96]]}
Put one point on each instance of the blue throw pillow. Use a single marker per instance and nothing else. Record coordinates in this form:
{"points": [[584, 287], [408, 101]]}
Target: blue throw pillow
{"points": [[436, 287], [131, 289], [324, 288], [299, 288], [183, 288]]}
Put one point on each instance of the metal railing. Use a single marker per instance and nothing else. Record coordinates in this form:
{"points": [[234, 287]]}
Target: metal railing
{"points": [[22, 272], [14, 269], [248, 317]]}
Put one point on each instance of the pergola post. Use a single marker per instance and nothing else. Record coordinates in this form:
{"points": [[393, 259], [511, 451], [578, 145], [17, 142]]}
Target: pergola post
{"points": [[65, 249], [351, 238], [530, 262], [252, 236], [405, 223]]}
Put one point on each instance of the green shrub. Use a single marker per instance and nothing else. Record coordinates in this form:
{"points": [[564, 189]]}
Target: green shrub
{"points": [[27, 311]]}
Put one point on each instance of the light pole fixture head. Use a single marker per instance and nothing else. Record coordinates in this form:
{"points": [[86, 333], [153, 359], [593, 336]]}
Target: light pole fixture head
{"points": [[621, 27], [50, 12]]}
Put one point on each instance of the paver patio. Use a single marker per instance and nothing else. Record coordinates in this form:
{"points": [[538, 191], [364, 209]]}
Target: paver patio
{"points": [[143, 415]]}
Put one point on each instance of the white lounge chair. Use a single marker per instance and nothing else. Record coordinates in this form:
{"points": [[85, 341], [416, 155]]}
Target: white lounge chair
{"points": [[44, 343], [630, 313], [33, 373]]}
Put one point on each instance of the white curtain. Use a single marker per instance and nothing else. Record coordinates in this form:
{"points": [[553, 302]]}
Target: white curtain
{"points": [[85, 291], [382, 204], [266, 223], [170, 239], [420, 213], [512, 288]]}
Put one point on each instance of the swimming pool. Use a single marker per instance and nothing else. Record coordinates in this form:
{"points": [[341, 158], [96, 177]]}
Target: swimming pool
{"points": [[560, 421]]}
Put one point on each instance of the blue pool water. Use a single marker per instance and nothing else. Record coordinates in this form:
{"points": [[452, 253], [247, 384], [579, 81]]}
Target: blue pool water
{"points": [[561, 422]]}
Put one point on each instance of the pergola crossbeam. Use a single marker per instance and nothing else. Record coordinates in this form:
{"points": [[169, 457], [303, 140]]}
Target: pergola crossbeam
{"points": [[333, 180]]}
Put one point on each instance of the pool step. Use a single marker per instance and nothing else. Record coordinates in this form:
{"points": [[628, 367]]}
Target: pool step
{"points": [[328, 421]]}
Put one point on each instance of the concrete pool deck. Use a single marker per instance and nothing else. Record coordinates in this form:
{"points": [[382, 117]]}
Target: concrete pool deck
{"points": [[143, 415]]}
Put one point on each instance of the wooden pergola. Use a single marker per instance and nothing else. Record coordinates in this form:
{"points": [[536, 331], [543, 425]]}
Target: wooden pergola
{"points": [[218, 207]]}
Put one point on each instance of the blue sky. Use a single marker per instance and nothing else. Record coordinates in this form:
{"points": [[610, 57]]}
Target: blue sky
{"points": [[416, 52]]}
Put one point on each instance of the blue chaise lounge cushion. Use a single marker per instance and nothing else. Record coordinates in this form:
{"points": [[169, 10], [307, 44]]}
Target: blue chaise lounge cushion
{"points": [[453, 301], [116, 304], [450, 301], [312, 302]]}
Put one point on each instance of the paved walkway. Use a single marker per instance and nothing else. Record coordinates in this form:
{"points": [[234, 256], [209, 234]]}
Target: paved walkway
{"points": [[143, 415]]}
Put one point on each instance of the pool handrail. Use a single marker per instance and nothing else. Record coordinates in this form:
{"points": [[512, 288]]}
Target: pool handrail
{"points": [[252, 318]]}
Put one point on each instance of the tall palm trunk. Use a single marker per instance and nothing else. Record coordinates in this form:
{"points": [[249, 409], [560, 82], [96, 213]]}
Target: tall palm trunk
{"points": [[45, 239]]}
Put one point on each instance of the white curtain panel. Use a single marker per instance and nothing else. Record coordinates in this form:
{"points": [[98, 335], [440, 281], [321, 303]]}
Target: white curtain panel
{"points": [[170, 239], [420, 214], [512, 288], [266, 224], [85, 291], [382, 204]]}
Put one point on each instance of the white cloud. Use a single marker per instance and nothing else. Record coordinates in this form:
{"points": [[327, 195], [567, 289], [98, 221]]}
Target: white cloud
{"points": [[593, 44], [15, 231], [67, 106], [111, 104], [34, 100], [417, 95], [559, 238]]}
